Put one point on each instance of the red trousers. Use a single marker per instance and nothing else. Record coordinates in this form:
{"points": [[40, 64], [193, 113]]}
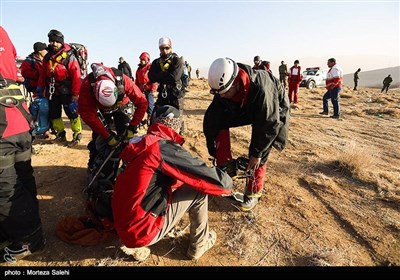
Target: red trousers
{"points": [[293, 92]]}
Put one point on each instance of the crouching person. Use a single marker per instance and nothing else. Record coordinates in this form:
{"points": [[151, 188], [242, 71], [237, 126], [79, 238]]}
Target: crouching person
{"points": [[161, 182], [110, 95]]}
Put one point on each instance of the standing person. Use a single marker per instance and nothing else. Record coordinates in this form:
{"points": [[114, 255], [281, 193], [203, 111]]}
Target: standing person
{"points": [[386, 83], [125, 68], [60, 78], [356, 78], [243, 96], [185, 77], [258, 64], [144, 84], [167, 71], [283, 73], [110, 92], [30, 67], [189, 69], [30, 70], [197, 73], [334, 86], [168, 182], [295, 78], [21, 232]]}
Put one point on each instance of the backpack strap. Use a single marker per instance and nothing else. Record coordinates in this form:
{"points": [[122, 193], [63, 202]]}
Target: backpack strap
{"points": [[119, 82], [18, 105]]}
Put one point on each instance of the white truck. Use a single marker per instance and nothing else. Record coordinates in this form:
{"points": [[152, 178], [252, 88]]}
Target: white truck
{"points": [[313, 77]]}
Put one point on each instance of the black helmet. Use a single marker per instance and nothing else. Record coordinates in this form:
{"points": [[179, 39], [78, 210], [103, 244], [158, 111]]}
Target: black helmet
{"points": [[256, 58]]}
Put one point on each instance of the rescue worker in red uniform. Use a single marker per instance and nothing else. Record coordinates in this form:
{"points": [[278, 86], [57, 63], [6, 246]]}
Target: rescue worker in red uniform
{"points": [[243, 96], [160, 183], [295, 78], [144, 84], [21, 232], [31, 66], [113, 94], [60, 81]]}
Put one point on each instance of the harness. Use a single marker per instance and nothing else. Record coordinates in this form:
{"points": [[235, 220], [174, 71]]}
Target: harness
{"points": [[62, 58]]}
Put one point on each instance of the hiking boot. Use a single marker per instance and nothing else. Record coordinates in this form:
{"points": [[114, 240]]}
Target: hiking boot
{"points": [[335, 117], [60, 138], [195, 254], [249, 203], [140, 254], [75, 141], [324, 113], [15, 252]]}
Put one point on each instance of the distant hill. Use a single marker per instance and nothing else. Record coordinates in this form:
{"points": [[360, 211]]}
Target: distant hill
{"points": [[374, 78]]}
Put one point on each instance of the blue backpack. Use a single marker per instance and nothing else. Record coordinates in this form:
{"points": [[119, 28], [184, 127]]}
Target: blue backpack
{"points": [[39, 110]]}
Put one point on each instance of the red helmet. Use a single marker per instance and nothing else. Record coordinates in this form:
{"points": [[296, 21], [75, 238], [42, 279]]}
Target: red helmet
{"points": [[145, 56]]}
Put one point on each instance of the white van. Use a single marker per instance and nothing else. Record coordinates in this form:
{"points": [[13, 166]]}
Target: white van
{"points": [[313, 77]]}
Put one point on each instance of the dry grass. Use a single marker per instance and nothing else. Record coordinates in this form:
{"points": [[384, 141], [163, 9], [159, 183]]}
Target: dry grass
{"points": [[356, 160], [346, 95], [381, 111]]}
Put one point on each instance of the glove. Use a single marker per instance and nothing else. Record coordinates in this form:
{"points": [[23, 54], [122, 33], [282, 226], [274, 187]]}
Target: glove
{"points": [[73, 107], [112, 142], [130, 132], [39, 92]]}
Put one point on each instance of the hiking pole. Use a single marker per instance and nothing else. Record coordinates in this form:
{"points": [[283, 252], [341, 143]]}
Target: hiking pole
{"points": [[98, 171]]}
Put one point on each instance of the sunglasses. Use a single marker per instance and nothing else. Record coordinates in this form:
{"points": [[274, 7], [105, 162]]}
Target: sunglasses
{"points": [[165, 48]]}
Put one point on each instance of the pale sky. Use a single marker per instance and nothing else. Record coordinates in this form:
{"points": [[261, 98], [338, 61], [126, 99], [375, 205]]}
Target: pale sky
{"points": [[359, 34]]}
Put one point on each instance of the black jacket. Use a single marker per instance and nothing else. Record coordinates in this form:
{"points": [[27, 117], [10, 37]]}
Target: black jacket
{"points": [[126, 69], [266, 109], [170, 75]]}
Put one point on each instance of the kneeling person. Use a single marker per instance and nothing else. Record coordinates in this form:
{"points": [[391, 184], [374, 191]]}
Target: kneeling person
{"points": [[160, 183]]}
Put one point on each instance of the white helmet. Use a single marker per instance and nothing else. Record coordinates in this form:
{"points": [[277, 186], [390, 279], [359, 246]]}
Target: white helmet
{"points": [[221, 74], [165, 41], [106, 93]]}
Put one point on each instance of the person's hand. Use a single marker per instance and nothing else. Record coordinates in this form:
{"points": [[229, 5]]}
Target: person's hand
{"points": [[254, 163], [130, 132], [73, 107], [112, 142], [39, 92]]}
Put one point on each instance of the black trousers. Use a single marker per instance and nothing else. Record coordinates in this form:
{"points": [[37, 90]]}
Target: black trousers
{"points": [[19, 207]]}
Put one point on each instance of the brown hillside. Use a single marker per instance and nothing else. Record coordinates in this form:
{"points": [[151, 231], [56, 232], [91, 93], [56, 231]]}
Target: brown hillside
{"points": [[331, 198]]}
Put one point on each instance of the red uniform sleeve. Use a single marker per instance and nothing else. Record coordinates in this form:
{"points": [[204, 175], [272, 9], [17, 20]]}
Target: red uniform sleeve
{"points": [[74, 72], [138, 99], [87, 109]]}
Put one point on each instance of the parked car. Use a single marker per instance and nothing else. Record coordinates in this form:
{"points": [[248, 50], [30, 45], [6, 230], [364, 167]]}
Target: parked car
{"points": [[20, 79], [313, 77]]}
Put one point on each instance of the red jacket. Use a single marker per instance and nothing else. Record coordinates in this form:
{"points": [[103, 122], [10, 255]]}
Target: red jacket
{"points": [[156, 164], [62, 73], [142, 79], [8, 54], [30, 70], [88, 105]]}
